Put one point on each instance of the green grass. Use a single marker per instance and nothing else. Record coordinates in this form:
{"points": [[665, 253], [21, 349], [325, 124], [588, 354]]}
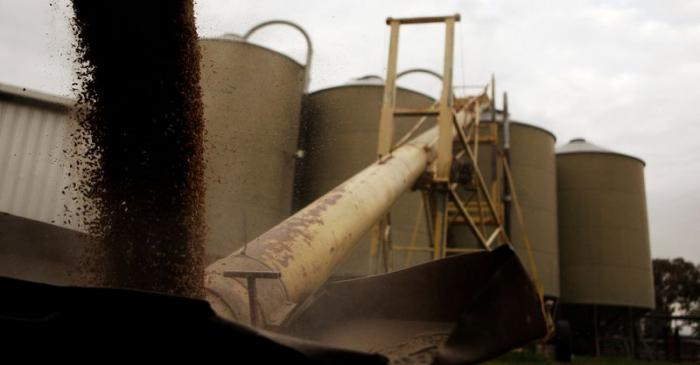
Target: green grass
{"points": [[529, 358]]}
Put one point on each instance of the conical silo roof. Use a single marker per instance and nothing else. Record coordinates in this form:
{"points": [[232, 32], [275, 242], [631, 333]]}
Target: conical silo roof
{"points": [[580, 145]]}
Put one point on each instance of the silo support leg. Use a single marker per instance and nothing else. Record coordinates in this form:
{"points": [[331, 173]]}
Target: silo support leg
{"points": [[440, 224]]}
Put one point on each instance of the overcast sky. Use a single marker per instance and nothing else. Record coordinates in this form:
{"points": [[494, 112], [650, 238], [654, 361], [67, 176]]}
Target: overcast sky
{"points": [[623, 74]]}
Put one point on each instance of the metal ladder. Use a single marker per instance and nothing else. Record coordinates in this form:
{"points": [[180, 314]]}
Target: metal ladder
{"points": [[482, 210]]}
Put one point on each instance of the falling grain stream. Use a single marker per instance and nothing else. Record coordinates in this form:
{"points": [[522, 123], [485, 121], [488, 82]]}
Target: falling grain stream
{"points": [[140, 123]]}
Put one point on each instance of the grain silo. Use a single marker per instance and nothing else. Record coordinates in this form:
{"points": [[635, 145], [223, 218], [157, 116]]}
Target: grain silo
{"points": [[252, 100], [341, 126], [532, 163], [606, 270]]}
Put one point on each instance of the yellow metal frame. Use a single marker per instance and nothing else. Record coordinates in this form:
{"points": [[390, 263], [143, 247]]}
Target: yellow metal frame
{"points": [[484, 211], [381, 236], [442, 203]]}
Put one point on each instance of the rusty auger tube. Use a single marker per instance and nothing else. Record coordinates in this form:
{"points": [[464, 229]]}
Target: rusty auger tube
{"points": [[306, 247]]}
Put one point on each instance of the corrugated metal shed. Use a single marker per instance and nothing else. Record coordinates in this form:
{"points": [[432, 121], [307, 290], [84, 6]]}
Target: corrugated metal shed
{"points": [[33, 128]]}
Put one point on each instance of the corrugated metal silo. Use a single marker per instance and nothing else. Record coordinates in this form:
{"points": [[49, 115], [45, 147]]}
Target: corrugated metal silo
{"points": [[341, 125], [603, 230], [252, 101], [532, 163], [533, 166]]}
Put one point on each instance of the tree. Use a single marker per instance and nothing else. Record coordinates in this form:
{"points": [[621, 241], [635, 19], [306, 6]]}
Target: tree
{"points": [[676, 285], [677, 289]]}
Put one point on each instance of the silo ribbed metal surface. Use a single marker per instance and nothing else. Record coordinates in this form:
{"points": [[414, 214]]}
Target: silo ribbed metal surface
{"points": [[252, 101], [533, 167], [341, 127], [603, 228]]}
